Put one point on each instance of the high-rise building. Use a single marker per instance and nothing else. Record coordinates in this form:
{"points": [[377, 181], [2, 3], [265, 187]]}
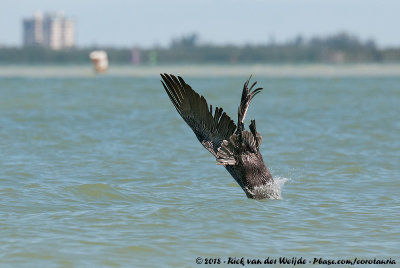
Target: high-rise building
{"points": [[51, 30], [33, 30]]}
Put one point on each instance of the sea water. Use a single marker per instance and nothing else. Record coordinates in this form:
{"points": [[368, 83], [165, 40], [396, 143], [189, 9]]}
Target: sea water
{"points": [[102, 171]]}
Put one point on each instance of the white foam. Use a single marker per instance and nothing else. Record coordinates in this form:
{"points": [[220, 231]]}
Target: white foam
{"points": [[270, 191]]}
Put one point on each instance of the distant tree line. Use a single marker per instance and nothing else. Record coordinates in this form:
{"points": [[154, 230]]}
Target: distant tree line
{"points": [[338, 48]]}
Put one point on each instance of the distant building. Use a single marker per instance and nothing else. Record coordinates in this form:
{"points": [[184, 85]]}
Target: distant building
{"points": [[51, 30]]}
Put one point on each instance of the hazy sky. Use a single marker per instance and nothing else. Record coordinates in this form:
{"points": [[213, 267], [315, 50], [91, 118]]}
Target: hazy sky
{"points": [[150, 22]]}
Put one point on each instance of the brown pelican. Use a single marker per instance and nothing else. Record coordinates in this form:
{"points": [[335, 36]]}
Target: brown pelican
{"points": [[232, 146]]}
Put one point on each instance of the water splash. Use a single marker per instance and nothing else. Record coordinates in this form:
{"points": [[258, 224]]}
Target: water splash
{"points": [[270, 191], [278, 185]]}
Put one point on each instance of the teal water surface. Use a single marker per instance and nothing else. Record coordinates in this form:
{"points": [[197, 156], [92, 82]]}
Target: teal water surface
{"points": [[102, 171]]}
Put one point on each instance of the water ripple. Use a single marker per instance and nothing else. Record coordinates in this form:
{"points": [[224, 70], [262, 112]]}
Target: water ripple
{"points": [[101, 171]]}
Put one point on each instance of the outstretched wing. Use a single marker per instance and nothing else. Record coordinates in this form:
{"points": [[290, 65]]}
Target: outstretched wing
{"points": [[209, 129], [247, 96]]}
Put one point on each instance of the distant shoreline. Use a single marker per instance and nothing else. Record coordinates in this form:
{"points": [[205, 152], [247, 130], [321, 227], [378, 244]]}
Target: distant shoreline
{"points": [[206, 70]]}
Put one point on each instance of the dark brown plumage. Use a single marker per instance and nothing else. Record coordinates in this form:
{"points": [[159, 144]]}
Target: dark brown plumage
{"points": [[232, 146]]}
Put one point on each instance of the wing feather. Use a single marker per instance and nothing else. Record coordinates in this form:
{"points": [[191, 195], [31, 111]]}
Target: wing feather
{"points": [[209, 129]]}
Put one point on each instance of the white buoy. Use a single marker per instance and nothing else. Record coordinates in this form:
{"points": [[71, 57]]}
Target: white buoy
{"points": [[100, 60]]}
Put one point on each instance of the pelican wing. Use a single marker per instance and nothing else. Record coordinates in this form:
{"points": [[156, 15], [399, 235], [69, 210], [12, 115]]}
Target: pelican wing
{"points": [[210, 129], [247, 96]]}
